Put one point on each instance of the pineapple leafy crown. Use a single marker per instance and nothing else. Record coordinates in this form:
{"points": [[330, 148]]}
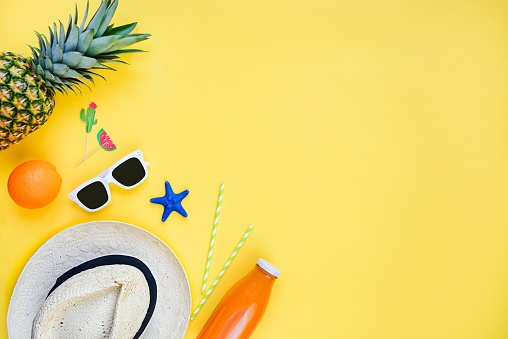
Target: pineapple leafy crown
{"points": [[68, 58]]}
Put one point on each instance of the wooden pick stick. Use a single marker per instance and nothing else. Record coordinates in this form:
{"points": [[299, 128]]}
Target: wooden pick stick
{"points": [[88, 155]]}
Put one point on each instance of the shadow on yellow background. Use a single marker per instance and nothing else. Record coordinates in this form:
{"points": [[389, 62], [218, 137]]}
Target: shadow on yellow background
{"points": [[366, 141]]}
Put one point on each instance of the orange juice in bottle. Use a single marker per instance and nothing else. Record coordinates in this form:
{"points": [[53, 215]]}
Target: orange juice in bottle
{"points": [[243, 306]]}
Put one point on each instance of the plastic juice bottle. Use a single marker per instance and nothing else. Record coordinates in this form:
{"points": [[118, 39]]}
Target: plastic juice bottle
{"points": [[243, 306]]}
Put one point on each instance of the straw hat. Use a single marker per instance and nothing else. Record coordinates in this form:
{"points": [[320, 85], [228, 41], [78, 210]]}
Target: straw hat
{"points": [[101, 279]]}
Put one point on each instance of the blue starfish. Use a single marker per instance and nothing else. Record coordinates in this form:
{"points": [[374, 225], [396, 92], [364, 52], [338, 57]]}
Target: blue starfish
{"points": [[171, 202]]}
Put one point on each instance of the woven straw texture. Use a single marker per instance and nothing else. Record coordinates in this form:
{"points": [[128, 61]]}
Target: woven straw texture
{"points": [[88, 241], [102, 302]]}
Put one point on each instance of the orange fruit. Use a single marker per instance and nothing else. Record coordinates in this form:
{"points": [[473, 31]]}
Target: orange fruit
{"points": [[34, 184]]}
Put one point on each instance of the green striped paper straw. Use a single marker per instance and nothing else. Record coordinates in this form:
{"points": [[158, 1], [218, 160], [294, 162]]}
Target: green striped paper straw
{"points": [[221, 273], [212, 240]]}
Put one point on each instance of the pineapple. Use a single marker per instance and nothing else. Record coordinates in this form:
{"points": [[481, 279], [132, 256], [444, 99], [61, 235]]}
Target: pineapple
{"points": [[64, 62]]}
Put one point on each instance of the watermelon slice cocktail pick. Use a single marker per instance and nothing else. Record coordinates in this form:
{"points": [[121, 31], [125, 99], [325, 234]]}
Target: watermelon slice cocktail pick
{"points": [[105, 143]]}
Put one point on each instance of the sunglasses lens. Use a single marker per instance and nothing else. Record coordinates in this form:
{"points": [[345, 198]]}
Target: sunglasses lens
{"points": [[130, 172], [93, 196]]}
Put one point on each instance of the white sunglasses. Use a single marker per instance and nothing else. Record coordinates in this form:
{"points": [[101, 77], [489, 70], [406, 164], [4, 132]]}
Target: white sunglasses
{"points": [[128, 172]]}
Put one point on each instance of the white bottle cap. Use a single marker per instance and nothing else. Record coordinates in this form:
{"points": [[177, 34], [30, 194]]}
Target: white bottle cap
{"points": [[271, 269]]}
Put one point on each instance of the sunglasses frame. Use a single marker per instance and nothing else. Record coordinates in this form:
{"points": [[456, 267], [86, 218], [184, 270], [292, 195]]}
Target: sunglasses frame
{"points": [[106, 178]]}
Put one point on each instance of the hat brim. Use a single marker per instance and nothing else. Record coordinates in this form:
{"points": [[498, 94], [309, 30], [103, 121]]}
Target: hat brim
{"points": [[89, 241]]}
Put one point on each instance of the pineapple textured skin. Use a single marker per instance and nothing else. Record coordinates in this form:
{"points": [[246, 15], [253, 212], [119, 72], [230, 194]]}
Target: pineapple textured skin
{"points": [[25, 101]]}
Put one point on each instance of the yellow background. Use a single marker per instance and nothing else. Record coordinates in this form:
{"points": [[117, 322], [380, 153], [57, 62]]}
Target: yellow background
{"points": [[366, 141]]}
